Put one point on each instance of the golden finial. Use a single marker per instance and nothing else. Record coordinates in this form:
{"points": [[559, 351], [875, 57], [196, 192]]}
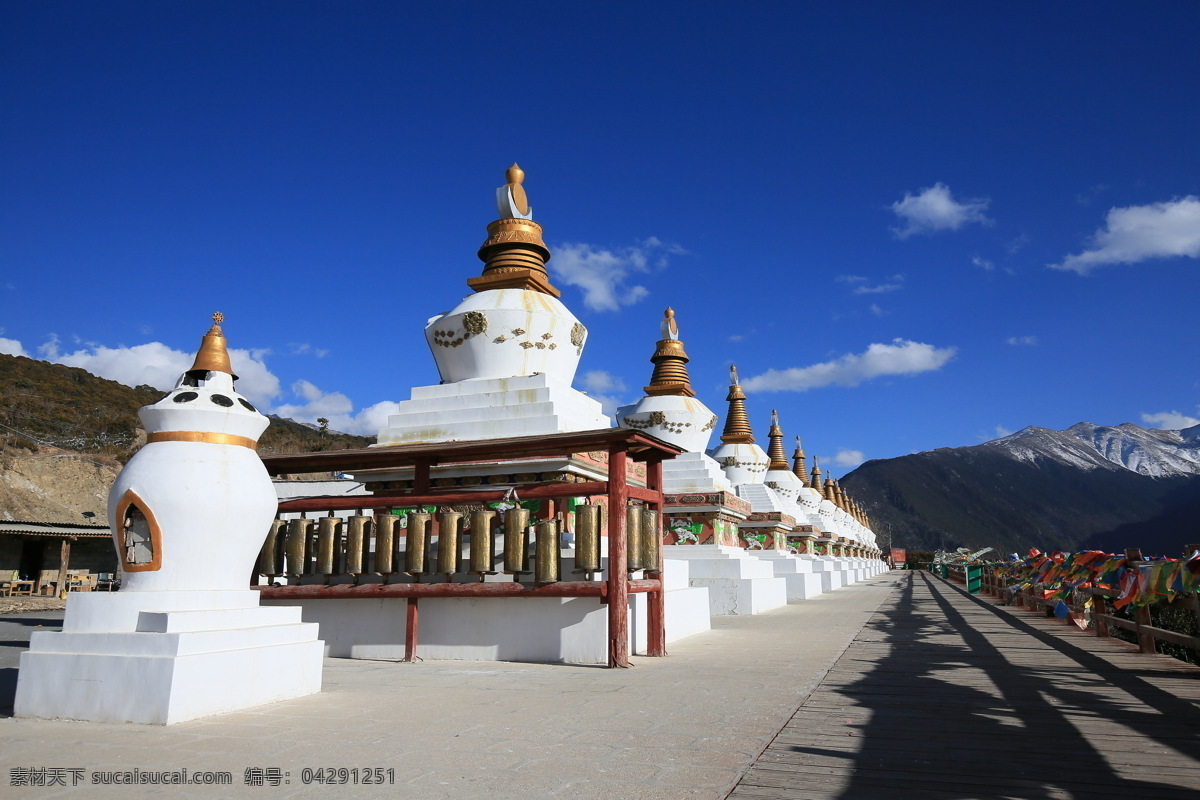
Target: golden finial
{"points": [[815, 480], [798, 468], [670, 363], [775, 449], [213, 355], [829, 491], [515, 177], [514, 254], [737, 424]]}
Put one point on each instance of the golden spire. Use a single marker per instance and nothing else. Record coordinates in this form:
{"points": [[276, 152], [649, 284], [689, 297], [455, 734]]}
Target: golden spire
{"points": [[737, 424], [840, 493], [798, 468], [212, 355], [514, 254], [830, 492], [775, 450], [670, 362], [815, 481]]}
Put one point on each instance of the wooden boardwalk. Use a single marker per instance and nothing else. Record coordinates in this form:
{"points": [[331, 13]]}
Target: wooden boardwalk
{"points": [[945, 695]]}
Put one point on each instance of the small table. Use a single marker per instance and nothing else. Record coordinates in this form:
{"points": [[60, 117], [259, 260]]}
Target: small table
{"points": [[22, 587]]}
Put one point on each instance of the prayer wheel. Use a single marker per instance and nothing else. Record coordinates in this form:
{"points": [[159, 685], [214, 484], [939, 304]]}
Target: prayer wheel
{"points": [[651, 536], [269, 562], [417, 543], [516, 541], [385, 544], [587, 538], [635, 552], [296, 546], [329, 535], [483, 549], [358, 533], [449, 528], [545, 562]]}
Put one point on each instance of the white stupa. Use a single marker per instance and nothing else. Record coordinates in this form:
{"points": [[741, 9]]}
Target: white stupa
{"points": [[508, 353], [670, 411], [184, 637]]}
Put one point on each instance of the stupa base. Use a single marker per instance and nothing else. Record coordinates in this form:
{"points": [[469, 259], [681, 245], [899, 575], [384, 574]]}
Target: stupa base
{"points": [[166, 665], [802, 582], [737, 583]]}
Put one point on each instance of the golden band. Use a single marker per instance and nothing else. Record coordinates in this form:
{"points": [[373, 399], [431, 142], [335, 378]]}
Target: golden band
{"points": [[200, 436]]}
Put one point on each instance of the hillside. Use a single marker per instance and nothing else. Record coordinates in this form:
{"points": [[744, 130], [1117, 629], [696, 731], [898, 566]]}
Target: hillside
{"points": [[1087, 486], [69, 408], [64, 434]]}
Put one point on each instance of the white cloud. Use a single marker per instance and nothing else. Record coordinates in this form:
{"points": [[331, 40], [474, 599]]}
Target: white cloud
{"points": [[604, 276], [1170, 420], [852, 278], [849, 458], [1139, 233], [983, 263], [12, 347], [935, 209], [1017, 341], [1002, 431], [603, 387], [337, 408], [1016, 244], [861, 286], [901, 357], [877, 311]]}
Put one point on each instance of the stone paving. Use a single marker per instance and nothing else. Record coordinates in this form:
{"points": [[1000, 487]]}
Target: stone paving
{"points": [[685, 726]]}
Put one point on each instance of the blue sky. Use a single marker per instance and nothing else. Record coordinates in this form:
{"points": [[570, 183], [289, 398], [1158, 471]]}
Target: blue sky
{"points": [[910, 225]]}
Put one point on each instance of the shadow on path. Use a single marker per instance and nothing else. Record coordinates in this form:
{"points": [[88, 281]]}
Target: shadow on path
{"points": [[939, 698]]}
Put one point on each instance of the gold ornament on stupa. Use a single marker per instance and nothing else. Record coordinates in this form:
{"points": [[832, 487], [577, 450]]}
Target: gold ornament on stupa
{"points": [[798, 468], [737, 424], [213, 356], [514, 255], [670, 363], [815, 479], [829, 490], [775, 451]]}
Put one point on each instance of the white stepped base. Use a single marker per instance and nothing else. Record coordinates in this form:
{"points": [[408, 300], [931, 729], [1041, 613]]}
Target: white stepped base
{"points": [[169, 665], [488, 408], [737, 583], [831, 572], [694, 473], [571, 630], [802, 582]]}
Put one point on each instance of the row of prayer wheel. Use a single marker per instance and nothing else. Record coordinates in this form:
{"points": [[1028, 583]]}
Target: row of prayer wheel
{"points": [[328, 546]]}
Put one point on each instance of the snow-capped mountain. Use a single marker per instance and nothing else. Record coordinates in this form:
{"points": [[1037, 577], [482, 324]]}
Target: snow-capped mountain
{"points": [[1088, 486], [1146, 451]]}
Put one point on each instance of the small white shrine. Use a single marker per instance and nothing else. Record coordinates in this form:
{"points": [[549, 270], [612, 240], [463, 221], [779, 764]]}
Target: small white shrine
{"points": [[185, 636]]}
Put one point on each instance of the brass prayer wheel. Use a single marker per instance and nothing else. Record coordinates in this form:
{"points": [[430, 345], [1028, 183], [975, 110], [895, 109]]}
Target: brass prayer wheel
{"points": [[329, 535], [545, 563], [516, 541], [483, 549], [651, 536], [358, 533], [268, 559], [416, 543], [635, 553], [449, 528], [385, 544], [587, 538], [296, 546]]}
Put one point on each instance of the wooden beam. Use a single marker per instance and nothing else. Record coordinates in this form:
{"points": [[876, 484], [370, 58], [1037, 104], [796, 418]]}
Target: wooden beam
{"points": [[317, 591], [64, 563]]}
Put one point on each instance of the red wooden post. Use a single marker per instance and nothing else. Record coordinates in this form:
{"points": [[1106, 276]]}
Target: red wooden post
{"points": [[410, 630], [1141, 614], [1099, 606], [618, 559], [421, 477], [656, 610]]}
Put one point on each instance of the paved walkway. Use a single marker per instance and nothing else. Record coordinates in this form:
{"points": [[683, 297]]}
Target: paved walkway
{"points": [[944, 695], [685, 726]]}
